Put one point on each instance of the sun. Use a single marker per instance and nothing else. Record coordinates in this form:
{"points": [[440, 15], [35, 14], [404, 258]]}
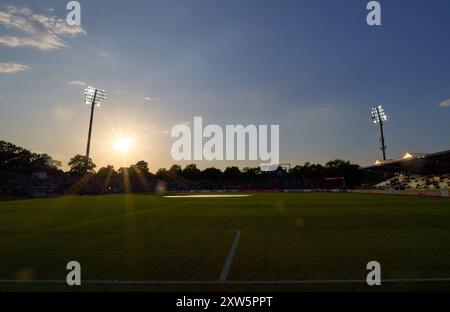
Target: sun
{"points": [[123, 145]]}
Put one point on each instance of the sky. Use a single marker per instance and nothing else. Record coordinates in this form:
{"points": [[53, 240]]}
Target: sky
{"points": [[315, 68]]}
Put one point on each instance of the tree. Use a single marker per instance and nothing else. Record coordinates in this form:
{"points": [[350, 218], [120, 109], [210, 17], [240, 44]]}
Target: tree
{"points": [[250, 174], [191, 172], [336, 164], [14, 158], [212, 174], [19, 160], [122, 171], [77, 165], [104, 172], [161, 173], [44, 162], [232, 173], [341, 168], [142, 167], [176, 170]]}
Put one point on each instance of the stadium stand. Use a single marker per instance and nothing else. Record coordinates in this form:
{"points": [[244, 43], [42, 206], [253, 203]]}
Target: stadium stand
{"points": [[406, 181], [415, 163], [414, 174]]}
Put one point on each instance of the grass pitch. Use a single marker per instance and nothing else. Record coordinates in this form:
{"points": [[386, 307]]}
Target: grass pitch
{"points": [[285, 237]]}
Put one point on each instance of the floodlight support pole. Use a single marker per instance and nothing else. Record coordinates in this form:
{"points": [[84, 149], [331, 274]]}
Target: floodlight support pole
{"points": [[383, 146], [88, 147]]}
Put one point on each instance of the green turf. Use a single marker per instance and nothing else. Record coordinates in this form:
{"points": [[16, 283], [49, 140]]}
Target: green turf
{"points": [[285, 236]]}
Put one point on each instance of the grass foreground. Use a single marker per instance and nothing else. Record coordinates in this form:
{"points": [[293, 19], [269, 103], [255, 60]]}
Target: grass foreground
{"points": [[182, 244]]}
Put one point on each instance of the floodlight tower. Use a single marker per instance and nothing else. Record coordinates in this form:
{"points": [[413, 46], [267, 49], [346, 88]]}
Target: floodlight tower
{"points": [[93, 97], [379, 117]]}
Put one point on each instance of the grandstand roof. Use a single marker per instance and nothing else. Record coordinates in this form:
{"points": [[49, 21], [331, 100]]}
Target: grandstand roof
{"points": [[410, 155], [423, 163]]}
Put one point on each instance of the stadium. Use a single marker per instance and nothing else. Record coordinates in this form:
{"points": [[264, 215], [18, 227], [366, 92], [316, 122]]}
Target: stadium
{"points": [[186, 229], [92, 198]]}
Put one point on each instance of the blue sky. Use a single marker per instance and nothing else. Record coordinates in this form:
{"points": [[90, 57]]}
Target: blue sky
{"points": [[313, 67]]}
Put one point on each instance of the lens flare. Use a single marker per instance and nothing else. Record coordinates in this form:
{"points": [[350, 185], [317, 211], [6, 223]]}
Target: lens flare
{"points": [[122, 145]]}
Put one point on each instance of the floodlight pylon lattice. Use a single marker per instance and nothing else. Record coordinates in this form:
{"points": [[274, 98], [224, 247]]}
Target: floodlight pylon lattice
{"points": [[93, 97], [379, 117]]}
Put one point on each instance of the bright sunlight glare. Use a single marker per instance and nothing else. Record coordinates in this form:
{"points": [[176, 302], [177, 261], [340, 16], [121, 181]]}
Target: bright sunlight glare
{"points": [[122, 145]]}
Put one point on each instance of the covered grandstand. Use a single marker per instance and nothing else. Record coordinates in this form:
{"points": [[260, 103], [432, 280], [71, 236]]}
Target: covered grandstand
{"points": [[415, 163], [413, 172]]}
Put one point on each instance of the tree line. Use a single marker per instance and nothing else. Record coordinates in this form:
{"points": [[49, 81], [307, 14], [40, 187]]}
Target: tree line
{"points": [[137, 177]]}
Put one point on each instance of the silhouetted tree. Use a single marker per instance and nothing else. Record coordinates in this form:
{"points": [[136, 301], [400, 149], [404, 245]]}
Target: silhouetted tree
{"points": [[19, 160], [340, 168], [176, 170], [212, 174], [77, 165], [105, 171], [161, 174], [191, 172], [142, 167], [232, 173], [44, 162]]}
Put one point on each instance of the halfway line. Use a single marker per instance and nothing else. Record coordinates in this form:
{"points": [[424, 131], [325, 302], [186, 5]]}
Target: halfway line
{"points": [[229, 261]]}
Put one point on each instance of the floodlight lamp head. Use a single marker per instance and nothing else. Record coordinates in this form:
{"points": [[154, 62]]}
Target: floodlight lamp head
{"points": [[93, 94], [378, 114]]}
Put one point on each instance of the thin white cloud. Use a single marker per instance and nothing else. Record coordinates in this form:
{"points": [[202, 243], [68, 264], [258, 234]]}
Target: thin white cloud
{"points": [[445, 103], [77, 83], [41, 32], [9, 68], [149, 99], [45, 42], [155, 129]]}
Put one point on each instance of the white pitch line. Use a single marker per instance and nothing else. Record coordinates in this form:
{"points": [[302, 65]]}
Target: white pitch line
{"points": [[229, 260], [206, 196], [212, 282]]}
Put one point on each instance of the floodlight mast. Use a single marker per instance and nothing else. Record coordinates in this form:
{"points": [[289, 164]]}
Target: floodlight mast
{"points": [[93, 97], [88, 147], [378, 116], [383, 146]]}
